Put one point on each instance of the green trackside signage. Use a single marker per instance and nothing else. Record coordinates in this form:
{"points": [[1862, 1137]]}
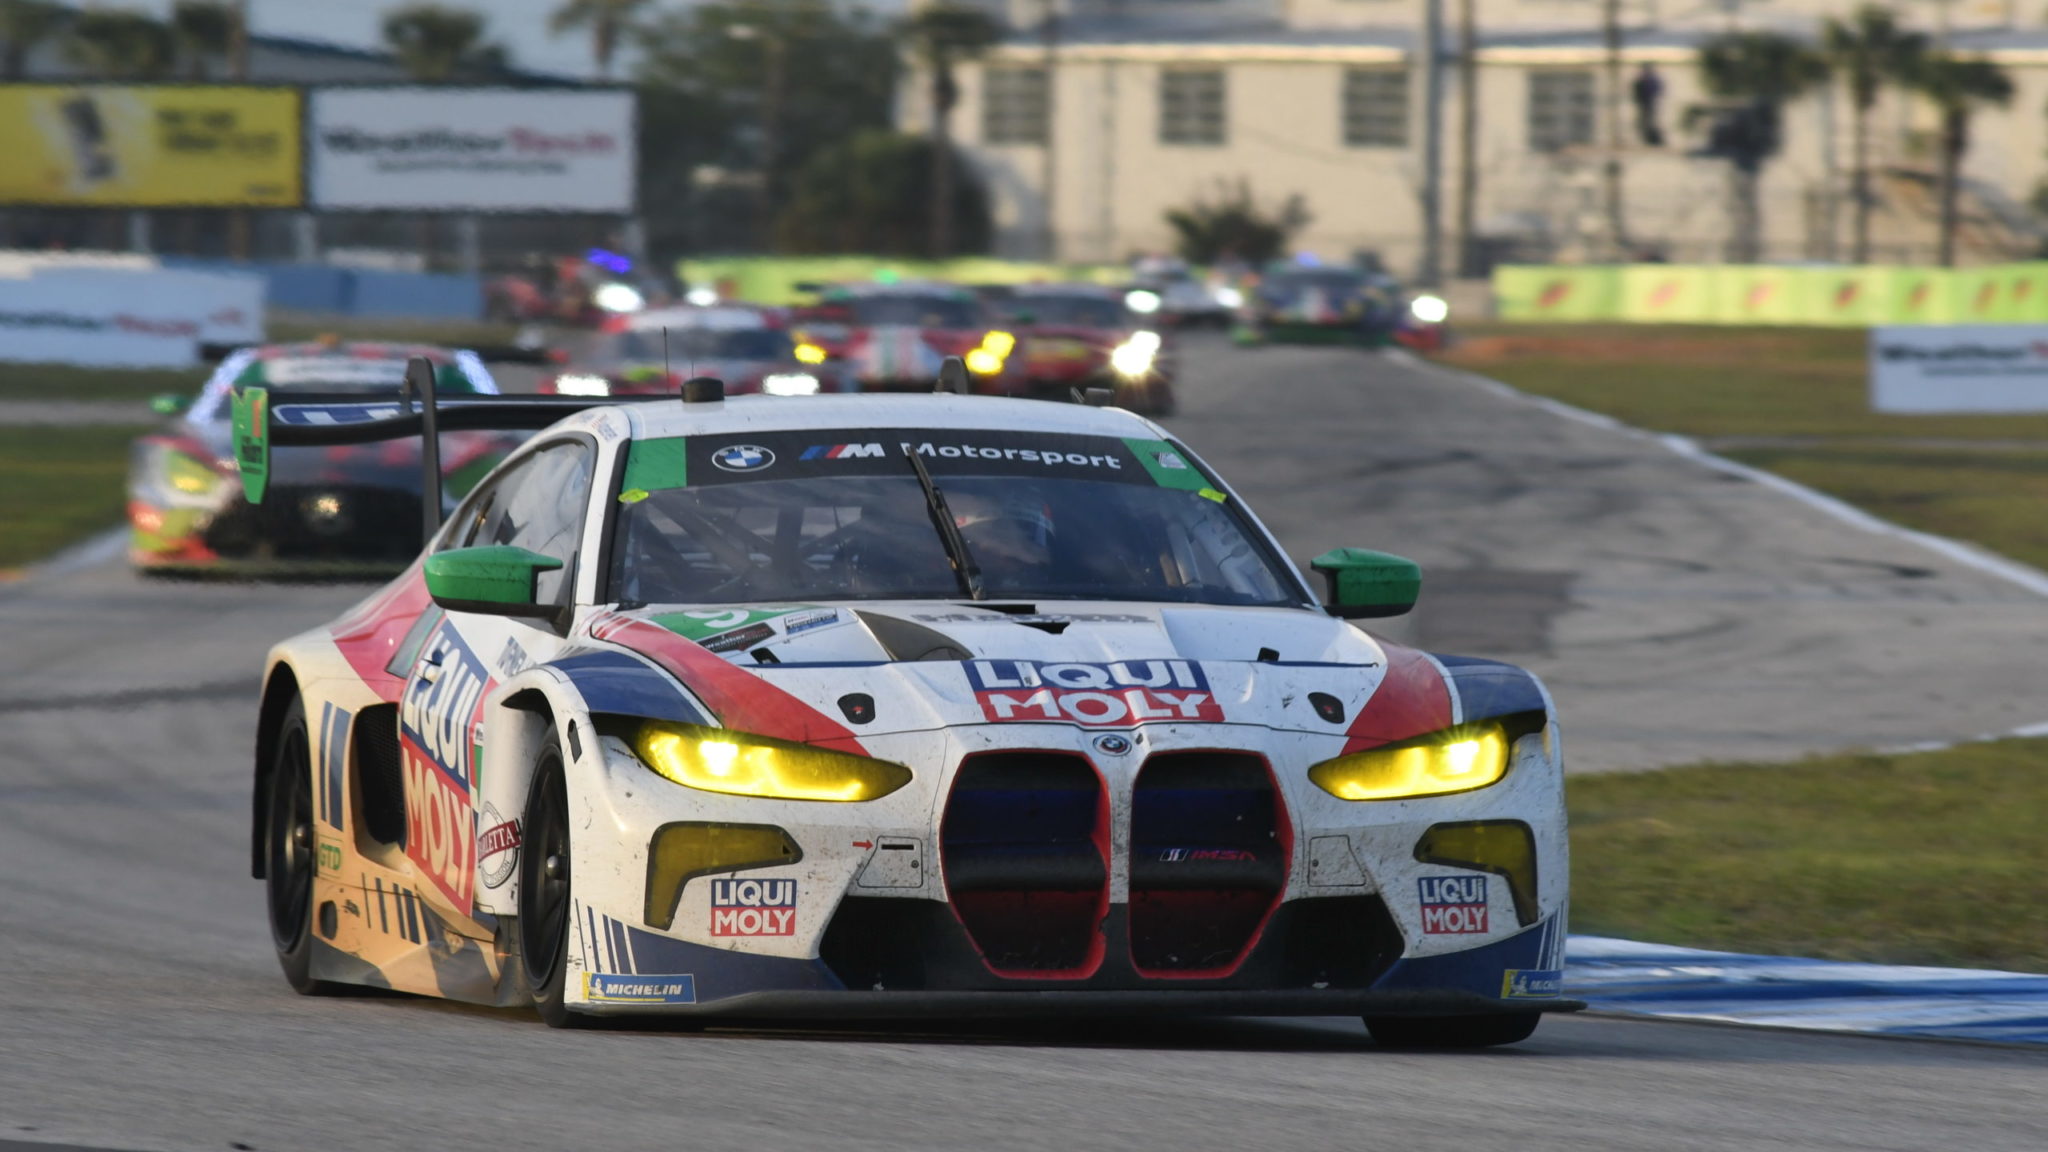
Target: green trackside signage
{"points": [[252, 441], [1846, 296]]}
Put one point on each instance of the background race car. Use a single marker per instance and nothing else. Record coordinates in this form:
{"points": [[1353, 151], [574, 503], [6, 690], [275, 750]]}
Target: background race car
{"points": [[750, 348], [893, 337], [1079, 336], [336, 509], [898, 706], [1320, 305]]}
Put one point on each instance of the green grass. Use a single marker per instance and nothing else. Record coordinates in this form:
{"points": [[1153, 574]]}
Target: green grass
{"points": [[58, 486], [68, 382], [1997, 497], [1704, 381], [1917, 858]]}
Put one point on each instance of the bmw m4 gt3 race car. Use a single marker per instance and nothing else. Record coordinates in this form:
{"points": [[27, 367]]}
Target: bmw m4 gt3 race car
{"points": [[858, 706], [334, 510]]}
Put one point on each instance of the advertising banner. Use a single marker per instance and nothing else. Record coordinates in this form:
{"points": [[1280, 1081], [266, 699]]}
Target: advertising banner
{"points": [[1557, 292], [130, 318], [1667, 294], [145, 146], [1843, 297], [1980, 368], [471, 150], [1759, 294]]}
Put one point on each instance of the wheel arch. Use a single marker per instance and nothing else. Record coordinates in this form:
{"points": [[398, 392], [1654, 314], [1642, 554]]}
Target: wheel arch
{"points": [[528, 707]]}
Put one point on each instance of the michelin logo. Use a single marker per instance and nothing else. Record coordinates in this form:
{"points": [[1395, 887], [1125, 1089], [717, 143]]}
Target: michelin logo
{"points": [[1531, 984], [609, 988]]}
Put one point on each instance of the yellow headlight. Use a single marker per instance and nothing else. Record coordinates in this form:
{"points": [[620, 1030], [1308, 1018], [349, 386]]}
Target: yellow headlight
{"points": [[999, 343], [717, 760], [189, 475], [810, 354], [983, 362], [1454, 760]]}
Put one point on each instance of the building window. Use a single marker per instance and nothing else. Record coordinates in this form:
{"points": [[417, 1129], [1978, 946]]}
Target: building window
{"points": [[1560, 110], [1191, 106], [1012, 105], [1376, 107]]}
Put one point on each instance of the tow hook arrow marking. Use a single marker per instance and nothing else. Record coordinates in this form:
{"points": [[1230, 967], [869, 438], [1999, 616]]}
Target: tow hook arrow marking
{"points": [[863, 843]]}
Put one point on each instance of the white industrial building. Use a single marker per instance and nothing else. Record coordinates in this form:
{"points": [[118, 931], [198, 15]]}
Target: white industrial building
{"points": [[1155, 103]]}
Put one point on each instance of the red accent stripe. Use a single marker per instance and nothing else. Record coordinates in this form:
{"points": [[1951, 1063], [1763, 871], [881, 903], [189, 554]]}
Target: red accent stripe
{"points": [[372, 631], [1411, 700], [742, 700]]}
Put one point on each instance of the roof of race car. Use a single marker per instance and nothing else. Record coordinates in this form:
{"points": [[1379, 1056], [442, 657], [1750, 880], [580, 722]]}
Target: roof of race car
{"points": [[716, 317], [898, 288], [861, 413]]}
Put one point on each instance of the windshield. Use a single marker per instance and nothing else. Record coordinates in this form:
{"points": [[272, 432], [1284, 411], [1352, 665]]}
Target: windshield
{"points": [[1079, 311], [686, 344], [1290, 286], [782, 517], [925, 311]]}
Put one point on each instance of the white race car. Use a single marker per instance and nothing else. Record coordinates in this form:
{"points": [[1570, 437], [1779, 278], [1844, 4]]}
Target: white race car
{"points": [[893, 706]]}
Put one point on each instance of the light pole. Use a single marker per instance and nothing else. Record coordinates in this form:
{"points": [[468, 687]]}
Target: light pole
{"points": [[1431, 272], [774, 50], [1049, 32]]}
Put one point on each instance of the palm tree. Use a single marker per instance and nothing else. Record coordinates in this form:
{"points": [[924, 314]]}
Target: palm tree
{"points": [[122, 44], [434, 41], [1753, 75], [1958, 87], [23, 25], [942, 35], [607, 20], [1869, 50], [203, 30]]}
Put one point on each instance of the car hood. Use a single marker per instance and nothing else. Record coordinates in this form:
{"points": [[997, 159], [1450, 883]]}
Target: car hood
{"points": [[928, 665]]}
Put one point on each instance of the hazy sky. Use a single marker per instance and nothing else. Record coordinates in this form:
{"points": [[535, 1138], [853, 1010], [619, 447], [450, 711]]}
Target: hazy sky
{"points": [[521, 24]]}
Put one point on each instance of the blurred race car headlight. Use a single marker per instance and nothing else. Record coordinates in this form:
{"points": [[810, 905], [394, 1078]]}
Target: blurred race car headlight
{"points": [[790, 384], [582, 386], [1429, 309], [188, 475], [616, 297], [1453, 760], [1229, 297], [718, 760], [810, 354], [1142, 302], [702, 297], [1133, 358], [987, 360]]}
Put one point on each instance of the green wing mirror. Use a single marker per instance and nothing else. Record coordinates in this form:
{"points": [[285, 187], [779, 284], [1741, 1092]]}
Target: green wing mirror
{"points": [[1363, 583], [168, 403], [496, 579]]}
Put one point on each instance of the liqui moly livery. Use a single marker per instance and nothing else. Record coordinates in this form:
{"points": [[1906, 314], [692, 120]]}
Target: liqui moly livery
{"points": [[685, 711]]}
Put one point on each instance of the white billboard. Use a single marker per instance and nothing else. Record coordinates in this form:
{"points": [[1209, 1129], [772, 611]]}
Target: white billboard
{"points": [[131, 318], [470, 150], [1982, 368]]}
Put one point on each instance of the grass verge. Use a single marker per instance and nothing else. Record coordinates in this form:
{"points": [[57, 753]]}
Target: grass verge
{"points": [[58, 486], [69, 382], [1915, 858]]}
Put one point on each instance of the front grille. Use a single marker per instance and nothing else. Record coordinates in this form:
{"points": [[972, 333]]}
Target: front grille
{"points": [[1208, 861], [1022, 847]]}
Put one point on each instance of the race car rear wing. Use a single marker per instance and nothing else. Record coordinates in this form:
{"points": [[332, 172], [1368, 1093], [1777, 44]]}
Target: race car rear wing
{"points": [[316, 420]]}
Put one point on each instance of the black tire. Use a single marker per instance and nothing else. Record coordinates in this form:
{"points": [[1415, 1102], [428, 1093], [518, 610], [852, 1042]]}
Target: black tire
{"points": [[289, 854], [544, 899], [1447, 1032]]}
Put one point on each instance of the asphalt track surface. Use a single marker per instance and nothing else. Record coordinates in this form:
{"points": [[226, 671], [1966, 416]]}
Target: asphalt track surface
{"points": [[148, 1012]]}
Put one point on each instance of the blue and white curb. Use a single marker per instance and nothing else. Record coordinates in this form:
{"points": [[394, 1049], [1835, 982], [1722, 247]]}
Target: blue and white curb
{"points": [[1823, 995]]}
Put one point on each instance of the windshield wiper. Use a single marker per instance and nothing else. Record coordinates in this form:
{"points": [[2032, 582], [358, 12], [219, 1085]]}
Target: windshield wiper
{"points": [[964, 568]]}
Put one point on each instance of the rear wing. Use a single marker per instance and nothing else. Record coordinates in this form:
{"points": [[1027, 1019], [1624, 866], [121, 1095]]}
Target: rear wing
{"points": [[312, 420]]}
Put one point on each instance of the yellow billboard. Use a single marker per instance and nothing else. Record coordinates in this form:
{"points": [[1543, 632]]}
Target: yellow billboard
{"points": [[149, 146]]}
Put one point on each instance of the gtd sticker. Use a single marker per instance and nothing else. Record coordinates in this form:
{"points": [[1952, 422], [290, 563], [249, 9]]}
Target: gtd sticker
{"points": [[753, 907], [743, 458], [1453, 905], [1119, 694]]}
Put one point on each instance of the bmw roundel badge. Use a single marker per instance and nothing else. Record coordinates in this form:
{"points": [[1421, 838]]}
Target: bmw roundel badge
{"points": [[1111, 744], [743, 458]]}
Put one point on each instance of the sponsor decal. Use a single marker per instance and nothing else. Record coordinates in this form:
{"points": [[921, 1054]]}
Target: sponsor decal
{"points": [[439, 834], [612, 988], [753, 907], [741, 638], [1531, 983], [743, 458], [842, 451], [805, 621], [513, 659], [1031, 618], [497, 847], [1120, 693], [706, 623], [1204, 855], [1453, 905], [399, 912], [437, 721], [329, 858], [436, 714]]}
